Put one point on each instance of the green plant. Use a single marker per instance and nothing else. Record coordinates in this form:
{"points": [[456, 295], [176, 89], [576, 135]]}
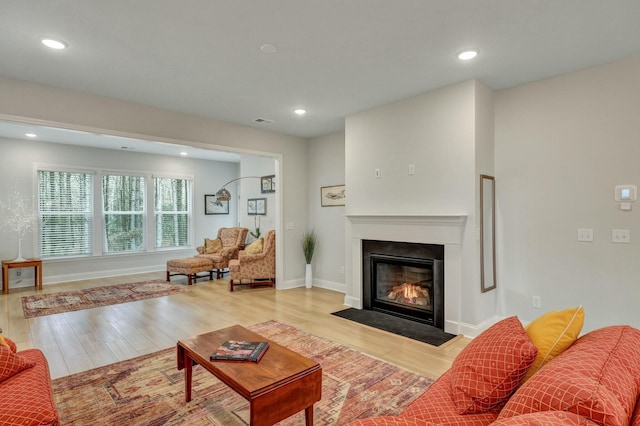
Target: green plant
{"points": [[308, 245]]}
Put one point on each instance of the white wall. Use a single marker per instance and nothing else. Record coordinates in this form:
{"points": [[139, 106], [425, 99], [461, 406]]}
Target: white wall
{"points": [[33, 103], [326, 168], [562, 144], [17, 172]]}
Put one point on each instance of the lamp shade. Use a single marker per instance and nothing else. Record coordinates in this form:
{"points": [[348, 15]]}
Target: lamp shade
{"points": [[223, 195]]}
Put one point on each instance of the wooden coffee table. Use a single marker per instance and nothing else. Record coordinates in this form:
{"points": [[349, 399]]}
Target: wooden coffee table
{"points": [[280, 385]]}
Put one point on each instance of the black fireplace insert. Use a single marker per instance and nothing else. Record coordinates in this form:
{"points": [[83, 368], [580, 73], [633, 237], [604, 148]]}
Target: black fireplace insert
{"points": [[404, 279]]}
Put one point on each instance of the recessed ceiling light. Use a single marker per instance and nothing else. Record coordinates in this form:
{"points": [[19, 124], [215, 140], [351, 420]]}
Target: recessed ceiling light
{"points": [[465, 55], [300, 111], [184, 153], [31, 135], [54, 44], [269, 48]]}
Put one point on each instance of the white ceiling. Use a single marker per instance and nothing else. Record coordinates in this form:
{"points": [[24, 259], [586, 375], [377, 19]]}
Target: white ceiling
{"points": [[334, 58]]}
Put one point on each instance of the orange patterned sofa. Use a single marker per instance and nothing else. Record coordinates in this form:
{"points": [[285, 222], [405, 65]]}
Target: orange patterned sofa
{"points": [[26, 397], [596, 381]]}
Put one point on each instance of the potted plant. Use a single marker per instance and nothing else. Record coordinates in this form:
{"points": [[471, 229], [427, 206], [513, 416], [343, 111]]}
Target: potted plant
{"points": [[308, 247]]}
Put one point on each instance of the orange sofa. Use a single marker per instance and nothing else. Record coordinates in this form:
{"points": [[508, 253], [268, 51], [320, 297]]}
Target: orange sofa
{"points": [[26, 397], [596, 381]]}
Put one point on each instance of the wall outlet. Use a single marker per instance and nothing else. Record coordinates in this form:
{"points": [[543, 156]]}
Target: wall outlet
{"points": [[535, 302], [412, 169], [18, 272], [585, 234], [342, 269]]}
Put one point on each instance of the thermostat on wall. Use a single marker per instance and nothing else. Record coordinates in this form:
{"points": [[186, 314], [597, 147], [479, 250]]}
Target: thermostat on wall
{"points": [[626, 192]]}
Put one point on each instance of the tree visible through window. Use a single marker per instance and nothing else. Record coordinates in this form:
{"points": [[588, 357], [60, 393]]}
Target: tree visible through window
{"points": [[65, 213], [172, 212], [124, 213]]}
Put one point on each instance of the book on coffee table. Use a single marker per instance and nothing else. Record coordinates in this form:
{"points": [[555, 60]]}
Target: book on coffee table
{"points": [[240, 350]]}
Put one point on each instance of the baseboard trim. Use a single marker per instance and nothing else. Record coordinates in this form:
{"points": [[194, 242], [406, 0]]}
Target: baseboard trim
{"points": [[329, 285]]}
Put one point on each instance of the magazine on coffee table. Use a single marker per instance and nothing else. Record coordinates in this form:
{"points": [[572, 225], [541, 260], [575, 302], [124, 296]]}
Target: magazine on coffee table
{"points": [[240, 350]]}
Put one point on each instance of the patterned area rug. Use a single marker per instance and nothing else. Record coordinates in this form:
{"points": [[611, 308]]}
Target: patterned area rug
{"points": [[149, 390], [55, 303]]}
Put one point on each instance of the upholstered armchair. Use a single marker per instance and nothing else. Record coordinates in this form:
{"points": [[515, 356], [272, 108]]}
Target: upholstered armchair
{"points": [[259, 268], [232, 241]]}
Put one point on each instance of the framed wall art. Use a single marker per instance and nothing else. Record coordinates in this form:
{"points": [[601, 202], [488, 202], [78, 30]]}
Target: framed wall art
{"points": [[331, 196], [257, 206], [268, 184], [214, 206]]}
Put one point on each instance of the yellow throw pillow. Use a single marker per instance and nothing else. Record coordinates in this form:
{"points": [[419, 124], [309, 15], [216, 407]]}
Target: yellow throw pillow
{"points": [[255, 247], [212, 246], [552, 333]]}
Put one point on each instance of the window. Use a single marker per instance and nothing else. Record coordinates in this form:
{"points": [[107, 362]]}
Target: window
{"points": [[123, 213], [65, 213], [172, 212], [91, 213]]}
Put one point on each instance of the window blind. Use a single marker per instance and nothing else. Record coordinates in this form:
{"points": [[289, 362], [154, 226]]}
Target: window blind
{"points": [[65, 213]]}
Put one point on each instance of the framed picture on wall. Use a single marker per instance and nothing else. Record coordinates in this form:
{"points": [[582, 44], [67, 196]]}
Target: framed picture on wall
{"points": [[268, 184], [214, 206], [257, 206], [333, 196]]}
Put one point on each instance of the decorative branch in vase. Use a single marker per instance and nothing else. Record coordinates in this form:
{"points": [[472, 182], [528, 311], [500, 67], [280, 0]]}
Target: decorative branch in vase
{"points": [[256, 224], [17, 215]]}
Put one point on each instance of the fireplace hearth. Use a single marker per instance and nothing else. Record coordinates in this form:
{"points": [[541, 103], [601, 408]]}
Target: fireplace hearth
{"points": [[404, 279]]}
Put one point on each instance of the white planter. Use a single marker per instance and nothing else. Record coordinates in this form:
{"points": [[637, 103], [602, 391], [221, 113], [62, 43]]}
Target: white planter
{"points": [[308, 276]]}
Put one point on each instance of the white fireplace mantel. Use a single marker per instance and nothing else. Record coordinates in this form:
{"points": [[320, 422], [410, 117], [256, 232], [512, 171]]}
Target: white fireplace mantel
{"points": [[447, 230]]}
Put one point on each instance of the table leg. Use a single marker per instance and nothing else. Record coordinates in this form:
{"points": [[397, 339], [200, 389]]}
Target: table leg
{"points": [[188, 373], [5, 279], [308, 415]]}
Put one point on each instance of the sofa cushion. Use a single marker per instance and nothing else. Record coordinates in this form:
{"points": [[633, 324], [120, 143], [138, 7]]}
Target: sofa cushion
{"points": [[212, 246], [597, 377], [11, 363], [547, 418], [27, 398], [489, 369], [436, 405], [391, 421], [553, 333]]}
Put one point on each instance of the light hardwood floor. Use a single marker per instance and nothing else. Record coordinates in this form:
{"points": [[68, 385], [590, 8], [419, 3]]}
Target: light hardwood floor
{"points": [[82, 340]]}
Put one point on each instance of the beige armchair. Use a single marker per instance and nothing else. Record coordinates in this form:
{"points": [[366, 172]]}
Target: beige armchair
{"points": [[232, 242], [259, 268]]}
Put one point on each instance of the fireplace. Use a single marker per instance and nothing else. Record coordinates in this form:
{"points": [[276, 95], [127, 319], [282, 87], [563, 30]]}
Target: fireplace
{"points": [[404, 279]]}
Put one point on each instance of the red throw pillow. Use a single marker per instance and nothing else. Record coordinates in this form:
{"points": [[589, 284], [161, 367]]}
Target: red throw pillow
{"points": [[491, 367], [11, 363]]}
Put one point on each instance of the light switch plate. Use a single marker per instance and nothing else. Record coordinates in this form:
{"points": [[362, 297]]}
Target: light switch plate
{"points": [[621, 236]]}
